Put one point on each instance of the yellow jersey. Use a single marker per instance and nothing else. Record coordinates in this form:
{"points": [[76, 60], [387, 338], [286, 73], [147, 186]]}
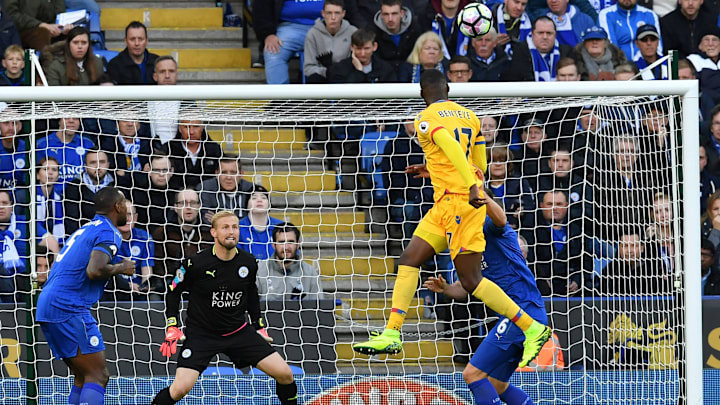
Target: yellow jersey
{"points": [[460, 122]]}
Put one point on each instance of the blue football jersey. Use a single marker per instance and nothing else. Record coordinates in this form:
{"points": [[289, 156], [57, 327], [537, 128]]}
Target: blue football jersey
{"points": [[70, 156], [504, 264], [140, 249], [68, 290], [14, 166], [254, 242]]}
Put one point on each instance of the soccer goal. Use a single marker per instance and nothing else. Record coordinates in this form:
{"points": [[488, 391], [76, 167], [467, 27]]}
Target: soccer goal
{"points": [[599, 178]]}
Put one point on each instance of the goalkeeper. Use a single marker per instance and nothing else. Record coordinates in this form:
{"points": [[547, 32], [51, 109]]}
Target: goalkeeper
{"points": [[221, 283]]}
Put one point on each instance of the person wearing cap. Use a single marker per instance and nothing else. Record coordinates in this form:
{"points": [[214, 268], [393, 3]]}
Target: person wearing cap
{"points": [[256, 228], [682, 29], [569, 21], [536, 58], [707, 65], [647, 41], [621, 20], [596, 56]]}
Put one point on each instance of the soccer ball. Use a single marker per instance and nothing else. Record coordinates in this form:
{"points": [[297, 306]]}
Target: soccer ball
{"points": [[475, 20]]}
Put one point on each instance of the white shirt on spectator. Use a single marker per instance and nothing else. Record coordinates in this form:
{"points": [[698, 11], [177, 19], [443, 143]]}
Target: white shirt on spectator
{"points": [[163, 119]]}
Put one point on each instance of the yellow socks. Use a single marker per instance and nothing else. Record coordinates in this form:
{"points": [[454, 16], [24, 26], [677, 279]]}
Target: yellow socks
{"points": [[403, 293], [495, 298]]}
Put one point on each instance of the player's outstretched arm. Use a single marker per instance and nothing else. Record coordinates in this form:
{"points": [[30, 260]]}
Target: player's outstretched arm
{"points": [[99, 266], [439, 285], [494, 211], [479, 154], [454, 153]]}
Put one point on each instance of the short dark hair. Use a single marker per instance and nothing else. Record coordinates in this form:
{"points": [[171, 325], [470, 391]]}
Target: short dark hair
{"points": [[340, 3], [135, 24], [106, 198], [9, 193], [160, 155], [391, 3], [460, 59], [706, 244], [432, 78], [104, 78], [543, 18], [95, 149], [565, 62], [285, 227], [362, 37], [627, 230], [714, 111], [164, 58], [685, 64], [230, 158]]}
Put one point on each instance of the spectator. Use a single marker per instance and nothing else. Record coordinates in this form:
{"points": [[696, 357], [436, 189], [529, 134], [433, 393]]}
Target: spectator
{"points": [[9, 34], [13, 238], [489, 130], [655, 138], [711, 219], [567, 70], [44, 262], [194, 155], [35, 19], [363, 66], [647, 41], [709, 183], [134, 65], [363, 13], [535, 7], [79, 201], [661, 231], [78, 66], [625, 71], [711, 142], [427, 54], [396, 32], [621, 21], [536, 58], [708, 268], [285, 276], [686, 71], [633, 271], [282, 26], [138, 246], [127, 151], [682, 29], [50, 227], [14, 159], [560, 176], [182, 236], [490, 62], [557, 245], [226, 191], [532, 153], [68, 147], [153, 193], [707, 66], [164, 114], [459, 70], [569, 21], [327, 42], [511, 22], [513, 191], [441, 16], [596, 57], [256, 228], [13, 73]]}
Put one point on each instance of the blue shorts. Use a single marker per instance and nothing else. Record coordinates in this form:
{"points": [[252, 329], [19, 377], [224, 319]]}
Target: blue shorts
{"points": [[501, 351], [79, 332]]}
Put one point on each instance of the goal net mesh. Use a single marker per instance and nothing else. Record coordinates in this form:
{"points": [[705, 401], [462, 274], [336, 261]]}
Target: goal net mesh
{"points": [[591, 184]]}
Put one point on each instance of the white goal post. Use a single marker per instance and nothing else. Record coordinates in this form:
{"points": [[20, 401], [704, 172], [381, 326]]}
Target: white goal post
{"points": [[43, 101]]}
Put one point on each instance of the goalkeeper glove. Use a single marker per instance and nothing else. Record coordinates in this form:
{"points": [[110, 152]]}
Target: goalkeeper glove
{"points": [[325, 59], [173, 334], [260, 328]]}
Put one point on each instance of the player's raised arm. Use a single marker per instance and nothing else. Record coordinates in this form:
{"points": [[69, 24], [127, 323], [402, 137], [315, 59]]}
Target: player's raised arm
{"points": [[479, 156], [172, 311], [99, 267], [494, 211]]}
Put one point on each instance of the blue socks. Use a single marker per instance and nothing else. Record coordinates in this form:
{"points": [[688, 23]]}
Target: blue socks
{"points": [[515, 396], [92, 394], [74, 398], [484, 392]]}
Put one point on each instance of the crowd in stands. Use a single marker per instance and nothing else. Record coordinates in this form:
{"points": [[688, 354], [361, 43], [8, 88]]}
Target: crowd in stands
{"points": [[590, 197]]}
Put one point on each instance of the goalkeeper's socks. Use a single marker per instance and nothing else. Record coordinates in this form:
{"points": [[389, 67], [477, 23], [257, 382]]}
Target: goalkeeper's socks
{"points": [[403, 293], [484, 392], [495, 298], [287, 393], [515, 396], [163, 398], [92, 394], [74, 398]]}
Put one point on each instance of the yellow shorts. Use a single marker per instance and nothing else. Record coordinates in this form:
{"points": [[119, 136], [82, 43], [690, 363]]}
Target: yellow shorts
{"points": [[452, 222]]}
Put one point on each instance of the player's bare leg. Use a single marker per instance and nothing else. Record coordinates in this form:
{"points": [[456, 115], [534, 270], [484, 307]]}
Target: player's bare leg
{"points": [[185, 379], [276, 367], [469, 269], [94, 375], [416, 253], [79, 381]]}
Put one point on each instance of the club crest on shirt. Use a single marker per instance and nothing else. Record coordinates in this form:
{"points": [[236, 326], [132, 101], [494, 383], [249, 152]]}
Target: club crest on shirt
{"points": [[243, 272], [186, 353], [94, 341], [80, 151], [135, 250], [20, 163]]}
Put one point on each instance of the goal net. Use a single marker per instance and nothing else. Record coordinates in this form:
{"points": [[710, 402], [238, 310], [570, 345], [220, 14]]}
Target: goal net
{"points": [[590, 176]]}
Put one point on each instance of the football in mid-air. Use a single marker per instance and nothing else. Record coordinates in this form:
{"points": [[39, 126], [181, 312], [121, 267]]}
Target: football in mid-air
{"points": [[475, 20]]}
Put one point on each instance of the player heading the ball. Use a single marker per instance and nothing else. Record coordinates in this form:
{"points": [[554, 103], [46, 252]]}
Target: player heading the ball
{"points": [[221, 284]]}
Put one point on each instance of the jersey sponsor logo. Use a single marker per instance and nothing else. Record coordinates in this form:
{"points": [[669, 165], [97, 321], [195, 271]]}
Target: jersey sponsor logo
{"points": [[135, 250], [423, 126], [186, 353], [20, 163], [226, 299], [387, 390], [211, 273], [457, 219], [243, 272], [94, 341]]}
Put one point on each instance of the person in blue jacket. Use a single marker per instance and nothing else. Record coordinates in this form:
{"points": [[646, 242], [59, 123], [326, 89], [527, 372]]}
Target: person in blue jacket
{"points": [[621, 22], [570, 21], [256, 228]]}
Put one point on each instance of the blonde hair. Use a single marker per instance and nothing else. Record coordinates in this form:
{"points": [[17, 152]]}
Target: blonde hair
{"points": [[13, 49], [414, 57], [220, 215]]}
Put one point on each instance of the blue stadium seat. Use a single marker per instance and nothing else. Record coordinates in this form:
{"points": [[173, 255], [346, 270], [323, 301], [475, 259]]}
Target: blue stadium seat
{"points": [[222, 371], [105, 55], [295, 370], [372, 147]]}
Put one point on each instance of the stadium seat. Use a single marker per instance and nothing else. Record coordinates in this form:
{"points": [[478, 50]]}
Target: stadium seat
{"points": [[222, 371], [97, 36], [372, 147], [105, 55], [295, 370]]}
